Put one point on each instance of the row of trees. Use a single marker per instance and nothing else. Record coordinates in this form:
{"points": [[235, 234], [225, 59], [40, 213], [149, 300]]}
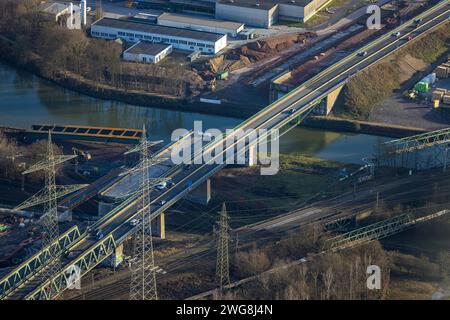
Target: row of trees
{"points": [[328, 276], [13, 156], [57, 53]]}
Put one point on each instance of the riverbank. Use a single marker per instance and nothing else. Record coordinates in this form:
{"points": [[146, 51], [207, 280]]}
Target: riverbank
{"points": [[358, 126], [101, 91]]}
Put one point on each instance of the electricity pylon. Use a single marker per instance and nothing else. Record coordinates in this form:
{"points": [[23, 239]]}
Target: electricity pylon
{"points": [[143, 269], [222, 266], [48, 197]]}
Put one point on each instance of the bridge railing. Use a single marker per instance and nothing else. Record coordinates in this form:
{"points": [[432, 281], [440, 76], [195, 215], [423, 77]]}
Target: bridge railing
{"points": [[34, 264], [418, 142], [63, 279]]}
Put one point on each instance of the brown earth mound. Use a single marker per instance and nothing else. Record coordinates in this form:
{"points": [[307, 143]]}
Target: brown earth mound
{"points": [[250, 53]]}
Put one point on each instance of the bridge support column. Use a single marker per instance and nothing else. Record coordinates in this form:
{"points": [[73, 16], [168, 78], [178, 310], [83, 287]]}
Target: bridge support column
{"points": [[325, 108], [331, 100], [252, 155], [117, 256], [159, 226], [202, 194]]}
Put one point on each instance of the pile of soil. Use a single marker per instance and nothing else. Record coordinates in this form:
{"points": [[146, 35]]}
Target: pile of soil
{"points": [[250, 53]]}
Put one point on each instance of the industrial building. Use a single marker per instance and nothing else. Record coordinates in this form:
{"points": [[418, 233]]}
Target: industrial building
{"points": [[265, 13], [200, 24], [183, 39], [66, 15], [147, 52], [205, 7]]}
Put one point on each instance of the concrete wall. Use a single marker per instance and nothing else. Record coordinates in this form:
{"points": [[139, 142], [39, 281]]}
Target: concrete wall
{"points": [[290, 12], [250, 16]]}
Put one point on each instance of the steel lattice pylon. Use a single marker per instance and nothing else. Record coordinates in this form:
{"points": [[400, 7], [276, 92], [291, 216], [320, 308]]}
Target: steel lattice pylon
{"points": [[222, 267], [48, 197], [143, 270]]}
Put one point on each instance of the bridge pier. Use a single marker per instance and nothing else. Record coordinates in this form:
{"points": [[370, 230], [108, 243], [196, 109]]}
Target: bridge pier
{"points": [[327, 105], [159, 226], [252, 155], [202, 194], [117, 256]]}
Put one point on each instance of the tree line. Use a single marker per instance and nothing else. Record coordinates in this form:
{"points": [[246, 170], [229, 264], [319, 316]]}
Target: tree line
{"points": [[57, 53]]}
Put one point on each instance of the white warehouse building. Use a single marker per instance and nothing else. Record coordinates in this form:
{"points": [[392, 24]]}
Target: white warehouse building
{"points": [[183, 39], [147, 52], [200, 23], [265, 13]]}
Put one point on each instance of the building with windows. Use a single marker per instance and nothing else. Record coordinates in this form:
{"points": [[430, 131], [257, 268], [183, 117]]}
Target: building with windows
{"points": [[66, 15], [147, 52], [200, 23], [265, 13], [182, 39]]}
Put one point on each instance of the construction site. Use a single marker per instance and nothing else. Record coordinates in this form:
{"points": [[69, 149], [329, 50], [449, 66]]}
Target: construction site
{"points": [[101, 200]]}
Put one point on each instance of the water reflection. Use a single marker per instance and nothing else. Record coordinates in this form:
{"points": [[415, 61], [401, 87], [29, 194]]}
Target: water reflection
{"points": [[26, 100]]}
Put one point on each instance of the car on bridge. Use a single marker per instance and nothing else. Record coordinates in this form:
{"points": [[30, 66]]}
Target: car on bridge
{"points": [[161, 185], [134, 222]]}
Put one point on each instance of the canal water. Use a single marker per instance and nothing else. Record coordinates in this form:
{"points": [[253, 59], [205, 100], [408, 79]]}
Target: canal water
{"points": [[26, 99]]}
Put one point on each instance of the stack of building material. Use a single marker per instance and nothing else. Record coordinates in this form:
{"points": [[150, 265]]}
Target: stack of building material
{"points": [[443, 71], [446, 98], [437, 96]]}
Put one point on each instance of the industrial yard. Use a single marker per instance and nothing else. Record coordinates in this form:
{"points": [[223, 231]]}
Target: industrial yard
{"points": [[217, 151]]}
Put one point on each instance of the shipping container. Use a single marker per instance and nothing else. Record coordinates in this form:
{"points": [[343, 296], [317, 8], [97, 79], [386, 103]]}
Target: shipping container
{"points": [[421, 87], [430, 79]]}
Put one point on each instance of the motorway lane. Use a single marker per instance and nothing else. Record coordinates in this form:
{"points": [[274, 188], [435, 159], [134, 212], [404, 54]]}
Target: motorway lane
{"points": [[271, 117]]}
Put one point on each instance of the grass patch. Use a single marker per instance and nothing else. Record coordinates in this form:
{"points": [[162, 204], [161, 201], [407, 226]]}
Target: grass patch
{"points": [[377, 83], [251, 197]]}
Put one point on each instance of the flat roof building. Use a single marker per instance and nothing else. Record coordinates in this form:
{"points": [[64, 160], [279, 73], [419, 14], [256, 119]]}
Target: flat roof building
{"points": [[147, 52], [261, 14], [265, 13], [183, 39], [200, 23], [66, 15]]}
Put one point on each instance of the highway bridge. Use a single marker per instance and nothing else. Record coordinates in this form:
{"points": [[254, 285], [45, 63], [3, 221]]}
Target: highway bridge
{"points": [[86, 252]]}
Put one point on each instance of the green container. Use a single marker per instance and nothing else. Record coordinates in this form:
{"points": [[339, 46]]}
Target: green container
{"points": [[421, 87]]}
